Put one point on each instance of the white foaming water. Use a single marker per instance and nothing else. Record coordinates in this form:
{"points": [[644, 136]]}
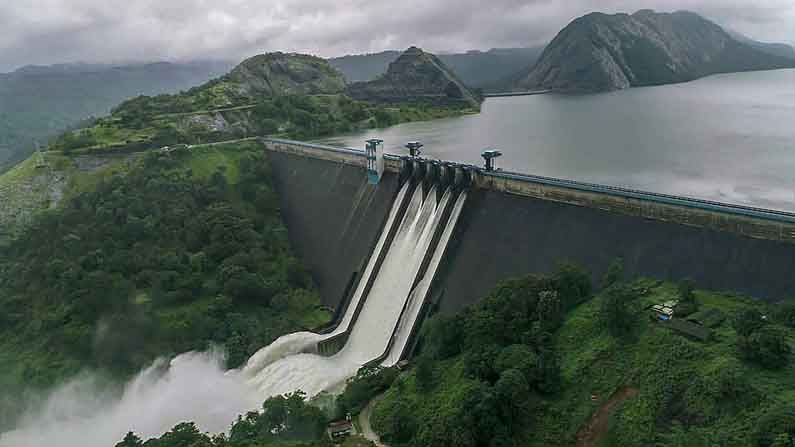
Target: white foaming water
{"points": [[370, 335], [195, 387], [417, 298], [369, 270]]}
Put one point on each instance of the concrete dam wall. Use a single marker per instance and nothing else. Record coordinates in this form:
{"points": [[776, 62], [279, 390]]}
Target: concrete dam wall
{"points": [[515, 225], [333, 216], [502, 236]]}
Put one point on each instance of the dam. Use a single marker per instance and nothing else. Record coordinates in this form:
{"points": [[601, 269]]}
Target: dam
{"points": [[384, 300], [439, 234]]}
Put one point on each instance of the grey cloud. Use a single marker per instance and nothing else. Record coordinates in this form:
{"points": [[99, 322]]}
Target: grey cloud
{"points": [[52, 31]]}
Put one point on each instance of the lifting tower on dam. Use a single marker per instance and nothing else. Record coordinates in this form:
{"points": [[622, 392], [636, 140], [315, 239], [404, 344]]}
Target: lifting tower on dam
{"points": [[375, 160], [489, 155], [414, 148]]}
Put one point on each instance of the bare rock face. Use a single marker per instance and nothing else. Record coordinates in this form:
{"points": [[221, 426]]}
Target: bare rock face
{"points": [[416, 75], [285, 74], [600, 52]]}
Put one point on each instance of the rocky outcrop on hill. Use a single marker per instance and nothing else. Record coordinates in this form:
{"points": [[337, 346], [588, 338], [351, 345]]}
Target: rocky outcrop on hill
{"points": [[416, 76], [285, 74], [600, 52]]}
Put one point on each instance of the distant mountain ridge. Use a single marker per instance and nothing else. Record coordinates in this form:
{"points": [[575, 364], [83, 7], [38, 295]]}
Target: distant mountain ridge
{"points": [[600, 52], [776, 49], [38, 102], [479, 69]]}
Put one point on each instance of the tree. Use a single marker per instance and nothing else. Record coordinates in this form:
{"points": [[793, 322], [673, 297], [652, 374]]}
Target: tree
{"points": [[614, 274], [767, 346], [521, 358], [513, 396], [687, 288], [131, 440], [615, 312], [774, 424], [785, 314], [782, 440], [687, 298], [550, 314], [402, 423], [747, 322], [424, 374], [443, 337], [573, 284]]}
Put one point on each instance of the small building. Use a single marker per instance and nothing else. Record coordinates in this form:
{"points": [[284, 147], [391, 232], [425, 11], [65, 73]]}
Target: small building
{"points": [[339, 430], [663, 312]]}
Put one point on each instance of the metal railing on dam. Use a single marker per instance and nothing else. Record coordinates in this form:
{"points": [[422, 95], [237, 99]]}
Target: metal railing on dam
{"points": [[745, 220]]}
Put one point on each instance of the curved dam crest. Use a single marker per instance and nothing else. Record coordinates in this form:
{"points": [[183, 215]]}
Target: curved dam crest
{"points": [[515, 226]]}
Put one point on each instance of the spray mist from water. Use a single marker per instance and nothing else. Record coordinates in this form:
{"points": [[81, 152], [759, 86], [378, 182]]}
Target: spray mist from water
{"points": [[195, 388]]}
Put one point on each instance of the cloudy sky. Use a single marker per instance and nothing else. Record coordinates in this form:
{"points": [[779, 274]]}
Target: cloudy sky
{"points": [[55, 31]]}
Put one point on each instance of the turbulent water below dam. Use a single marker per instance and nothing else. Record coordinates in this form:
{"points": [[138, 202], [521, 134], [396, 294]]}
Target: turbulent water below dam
{"points": [[195, 387]]}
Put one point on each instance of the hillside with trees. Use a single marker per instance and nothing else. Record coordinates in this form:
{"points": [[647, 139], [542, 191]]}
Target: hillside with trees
{"points": [[287, 95], [38, 103], [170, 253], [488, 70], [528, 367]]}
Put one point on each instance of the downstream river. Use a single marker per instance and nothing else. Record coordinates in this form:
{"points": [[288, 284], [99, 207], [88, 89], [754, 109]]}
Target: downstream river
{"points": [[729, 138]]}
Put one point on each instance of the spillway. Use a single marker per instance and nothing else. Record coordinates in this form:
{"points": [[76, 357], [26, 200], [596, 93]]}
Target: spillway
{"points": [[414, 306], [384, 306]]}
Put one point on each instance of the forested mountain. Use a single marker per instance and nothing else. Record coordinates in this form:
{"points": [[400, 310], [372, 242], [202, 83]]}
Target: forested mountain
{"points": [[600, 52], [364, 67], [479, 69], [290, 95], [776, 49], [416, 76], [38, 102]]}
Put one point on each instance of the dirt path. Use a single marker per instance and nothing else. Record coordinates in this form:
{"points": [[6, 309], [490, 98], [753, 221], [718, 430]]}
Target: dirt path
{"points": [[364, 423], [590, 433]]}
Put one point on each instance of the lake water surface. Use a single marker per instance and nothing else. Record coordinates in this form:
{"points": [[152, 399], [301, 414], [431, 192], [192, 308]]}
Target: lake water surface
{"points": [[729, 138]]}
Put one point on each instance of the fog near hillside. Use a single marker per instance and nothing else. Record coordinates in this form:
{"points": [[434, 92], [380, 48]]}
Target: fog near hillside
{"points": [[85, 413]]}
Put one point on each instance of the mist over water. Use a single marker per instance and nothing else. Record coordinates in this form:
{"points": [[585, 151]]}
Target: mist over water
{"points": [[194, 387], [82, 413]]}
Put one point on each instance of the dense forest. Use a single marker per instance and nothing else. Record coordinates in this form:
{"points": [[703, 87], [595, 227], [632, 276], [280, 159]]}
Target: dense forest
{"points": [[544, 361], [541, 362], [185, 250]]}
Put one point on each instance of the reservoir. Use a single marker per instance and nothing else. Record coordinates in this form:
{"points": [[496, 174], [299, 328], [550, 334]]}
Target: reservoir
{"points": [[729, 138]]}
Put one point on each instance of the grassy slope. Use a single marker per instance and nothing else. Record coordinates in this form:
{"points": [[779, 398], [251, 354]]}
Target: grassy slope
{"points": [[678, 381], [31, 188]]}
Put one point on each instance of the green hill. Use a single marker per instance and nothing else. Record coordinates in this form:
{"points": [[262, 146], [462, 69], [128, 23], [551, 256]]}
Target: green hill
{"points": [[479, 69], [602, 52], [528, 367], [290, 95], [37, 103]]}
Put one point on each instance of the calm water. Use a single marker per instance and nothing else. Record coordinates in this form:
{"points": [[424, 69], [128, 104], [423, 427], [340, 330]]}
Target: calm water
{"points": [[729, 138]]}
